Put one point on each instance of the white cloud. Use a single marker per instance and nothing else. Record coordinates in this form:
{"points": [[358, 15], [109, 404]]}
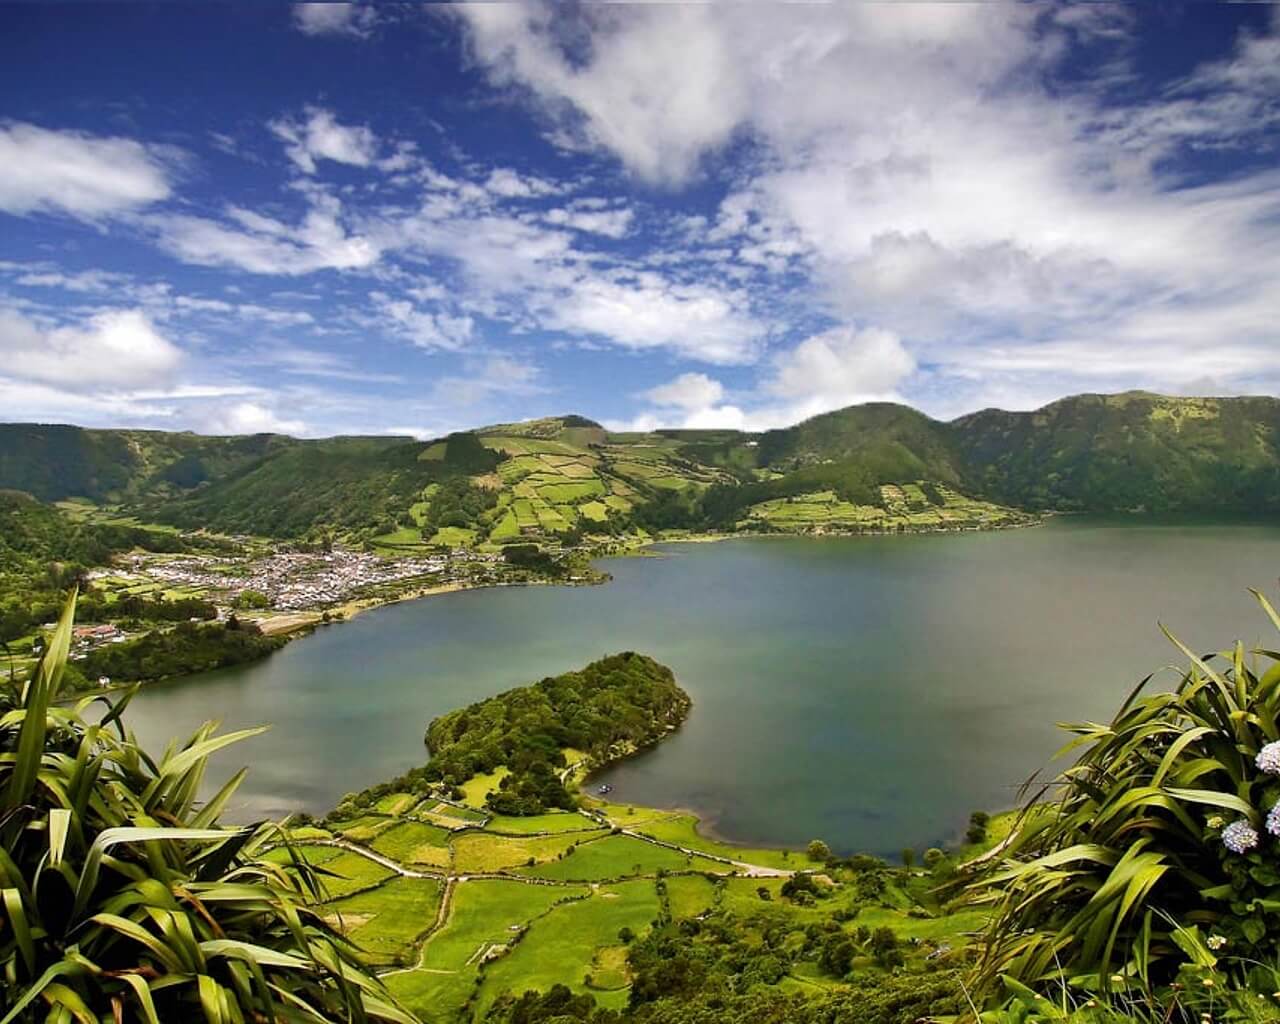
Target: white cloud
{"points": [[248, 418], [688, 391], [118, 349], [924, 168], [321, 137], [325, 19], [264, 245], [659, 91], [509, 184], [698, 321], [841, 366], [610, 223], [424, 328], [836, 368], [83, 175], [486, 378]]}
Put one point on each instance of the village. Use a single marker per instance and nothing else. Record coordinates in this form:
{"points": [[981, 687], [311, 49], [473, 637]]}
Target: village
{"points": [[283, 580]]}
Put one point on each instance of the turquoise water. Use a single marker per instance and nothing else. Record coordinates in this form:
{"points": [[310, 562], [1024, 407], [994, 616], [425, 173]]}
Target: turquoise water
{"points": [[869, 691]]}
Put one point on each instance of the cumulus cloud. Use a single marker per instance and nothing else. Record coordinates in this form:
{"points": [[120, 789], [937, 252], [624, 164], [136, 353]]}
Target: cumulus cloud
{"points": [[321, 137], [927, 170], [658, 91], [841, 366], [329, 19], [114, 349], [688, 391], [422, 327], [248, 418], [86, 176], [698, 321]]}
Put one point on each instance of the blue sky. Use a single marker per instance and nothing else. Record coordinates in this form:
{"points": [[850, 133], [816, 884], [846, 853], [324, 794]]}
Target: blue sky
{"points": [[351, 218]]}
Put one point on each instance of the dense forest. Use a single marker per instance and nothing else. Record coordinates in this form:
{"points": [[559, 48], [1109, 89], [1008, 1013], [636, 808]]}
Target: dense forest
{"points": [[187, 648], [618, 703], [33, 534]]}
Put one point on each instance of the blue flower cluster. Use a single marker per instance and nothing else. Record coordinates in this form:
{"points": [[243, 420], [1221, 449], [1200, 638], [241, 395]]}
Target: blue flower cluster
{"points": [[1273, 820], [1240, 836]]}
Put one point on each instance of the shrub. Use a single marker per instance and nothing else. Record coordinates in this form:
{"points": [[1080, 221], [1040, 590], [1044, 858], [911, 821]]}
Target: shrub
{"points": [[123, 901], [1164, 827]]}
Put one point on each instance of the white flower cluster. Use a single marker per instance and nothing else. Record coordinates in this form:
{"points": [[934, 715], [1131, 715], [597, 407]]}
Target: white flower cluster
{"points": [[1240, 837], [1268, 759]]}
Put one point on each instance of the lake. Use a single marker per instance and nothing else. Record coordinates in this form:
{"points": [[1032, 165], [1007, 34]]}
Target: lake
{"points": [[868, 691]]}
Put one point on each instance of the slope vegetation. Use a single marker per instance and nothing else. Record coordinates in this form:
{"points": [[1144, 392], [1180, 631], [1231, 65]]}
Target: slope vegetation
{"points": [[878, 467]]}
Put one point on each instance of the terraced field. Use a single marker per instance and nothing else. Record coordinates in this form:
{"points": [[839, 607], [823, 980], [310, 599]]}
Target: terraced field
{"points": [[558, 481], [906, 506], [456, 917]]}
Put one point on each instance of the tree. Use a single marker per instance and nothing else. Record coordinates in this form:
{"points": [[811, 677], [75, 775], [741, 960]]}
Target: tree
{"points": [[122, 900], [977, 832], [818, 851], [252, 600]]}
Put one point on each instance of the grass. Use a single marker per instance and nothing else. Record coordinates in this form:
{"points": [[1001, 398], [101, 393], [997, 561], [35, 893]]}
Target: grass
{"points": [[476, 788], [483, 913], [568, 492], [388, 921], [555, 821], [506, 528], [483, 851], [406, 536], [561, 947], [395, 803], [682, 829], [362, 829], [414, 843], [351, 872], [902, 506], [618, 856], [690, 895], [454, 537]]}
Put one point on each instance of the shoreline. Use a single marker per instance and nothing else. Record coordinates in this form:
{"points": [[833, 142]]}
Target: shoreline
{"points": [[293, 626]]}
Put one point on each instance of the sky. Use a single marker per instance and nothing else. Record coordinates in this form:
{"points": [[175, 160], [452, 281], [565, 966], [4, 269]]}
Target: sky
{"points": [[354, 218]]}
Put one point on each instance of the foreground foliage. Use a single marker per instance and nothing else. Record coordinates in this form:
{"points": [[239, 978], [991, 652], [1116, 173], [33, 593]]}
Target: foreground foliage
{"points": [[120, 899], [1160, 853]]}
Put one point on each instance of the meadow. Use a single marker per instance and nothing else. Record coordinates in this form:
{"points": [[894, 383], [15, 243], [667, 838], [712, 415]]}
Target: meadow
{"points": [[458, 919]]}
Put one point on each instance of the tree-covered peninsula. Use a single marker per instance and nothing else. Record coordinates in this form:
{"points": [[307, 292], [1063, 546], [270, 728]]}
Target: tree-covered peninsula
{"points": [[608, 709]]}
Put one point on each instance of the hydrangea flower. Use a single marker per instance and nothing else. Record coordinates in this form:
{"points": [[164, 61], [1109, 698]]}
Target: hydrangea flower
{"points": [[1273, 820], [1240, 837], [1268, 759]]}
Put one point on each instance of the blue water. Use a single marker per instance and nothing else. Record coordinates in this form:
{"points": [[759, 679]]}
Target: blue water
{"points": [[869, 691]]}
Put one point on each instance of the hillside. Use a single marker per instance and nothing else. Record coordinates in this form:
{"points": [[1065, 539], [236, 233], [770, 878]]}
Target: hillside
{"points": [[1134, 451], [877, 467], [53, 462], [33, 535]]}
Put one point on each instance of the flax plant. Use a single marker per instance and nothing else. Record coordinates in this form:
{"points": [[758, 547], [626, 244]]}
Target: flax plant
{"points": [[122, 898]]}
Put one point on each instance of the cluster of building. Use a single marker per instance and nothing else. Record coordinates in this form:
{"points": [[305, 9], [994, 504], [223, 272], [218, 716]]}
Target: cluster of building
{"points": [[291, 580], [299, 581], [86, 638]]}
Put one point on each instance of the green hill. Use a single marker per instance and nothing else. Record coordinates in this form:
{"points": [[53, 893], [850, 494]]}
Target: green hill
{"points": [[1134, 451], [879, 467]]}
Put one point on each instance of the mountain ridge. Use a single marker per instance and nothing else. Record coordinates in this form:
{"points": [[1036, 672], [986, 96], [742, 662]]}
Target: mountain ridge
{"points": [[1131, 451]]}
